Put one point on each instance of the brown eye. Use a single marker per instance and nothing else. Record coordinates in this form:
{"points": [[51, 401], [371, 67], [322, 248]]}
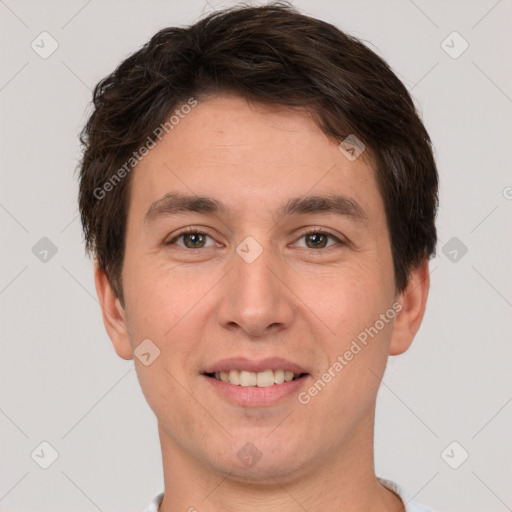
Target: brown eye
{"points": [[315, 240], [192, 240], [318, 240]]}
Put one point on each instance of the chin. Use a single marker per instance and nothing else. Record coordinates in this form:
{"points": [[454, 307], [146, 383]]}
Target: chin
{"points": [[263, 461]]}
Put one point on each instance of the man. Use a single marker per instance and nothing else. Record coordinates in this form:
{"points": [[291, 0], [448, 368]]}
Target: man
{"points": [[260, 195]]}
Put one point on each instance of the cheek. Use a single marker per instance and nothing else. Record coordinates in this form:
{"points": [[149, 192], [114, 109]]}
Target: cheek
{"points": [[156, 296], [168, 307], [348, 298], [350, 301]]}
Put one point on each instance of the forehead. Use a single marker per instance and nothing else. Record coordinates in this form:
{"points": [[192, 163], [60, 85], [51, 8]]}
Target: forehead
{"points": [[243, 153]]}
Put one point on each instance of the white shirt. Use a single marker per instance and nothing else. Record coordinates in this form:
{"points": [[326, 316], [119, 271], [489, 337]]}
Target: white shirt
{"points": [[410, 506]]}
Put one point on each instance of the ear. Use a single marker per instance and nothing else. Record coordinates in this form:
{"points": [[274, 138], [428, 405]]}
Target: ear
{"points": [[114, 316], [413, 301]]}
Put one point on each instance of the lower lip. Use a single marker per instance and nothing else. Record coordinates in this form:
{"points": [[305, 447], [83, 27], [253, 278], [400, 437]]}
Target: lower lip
{"points": [[253, 395]]}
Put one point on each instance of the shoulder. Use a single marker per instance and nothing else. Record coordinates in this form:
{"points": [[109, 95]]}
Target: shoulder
{"points": [[409, 504], [155, 503]]}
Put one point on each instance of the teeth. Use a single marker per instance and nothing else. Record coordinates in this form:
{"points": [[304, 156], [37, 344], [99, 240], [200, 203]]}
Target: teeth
{"points": [[288, 376], [265, 379], [261, 379], [247, 378], [234, 377]]}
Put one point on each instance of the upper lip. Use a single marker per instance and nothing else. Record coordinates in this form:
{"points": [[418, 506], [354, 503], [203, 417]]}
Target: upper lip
{"points": [[251, 365]]}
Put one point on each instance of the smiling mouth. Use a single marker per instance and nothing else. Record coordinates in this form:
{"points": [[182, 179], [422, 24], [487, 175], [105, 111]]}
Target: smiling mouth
{"points": [[262, 379]]}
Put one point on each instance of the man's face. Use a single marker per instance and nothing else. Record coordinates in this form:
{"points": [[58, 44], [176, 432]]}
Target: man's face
{"points": [[248, 282]]}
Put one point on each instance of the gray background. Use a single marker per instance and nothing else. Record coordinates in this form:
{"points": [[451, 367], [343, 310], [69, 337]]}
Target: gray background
{"points": [[61, 381]]}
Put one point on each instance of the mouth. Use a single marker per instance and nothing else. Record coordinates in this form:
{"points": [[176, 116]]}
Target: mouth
{"points": [[262, 379], [247, 382]]}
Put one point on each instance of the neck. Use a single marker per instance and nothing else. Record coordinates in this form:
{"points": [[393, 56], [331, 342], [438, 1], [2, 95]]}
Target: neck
{"points": [[343, 479]]}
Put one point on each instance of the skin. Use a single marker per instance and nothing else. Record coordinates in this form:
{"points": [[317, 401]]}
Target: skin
{"points": [[299, 302]]}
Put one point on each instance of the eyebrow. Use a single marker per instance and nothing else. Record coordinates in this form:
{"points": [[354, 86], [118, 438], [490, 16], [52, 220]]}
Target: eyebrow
{"points": [[176, 203]]}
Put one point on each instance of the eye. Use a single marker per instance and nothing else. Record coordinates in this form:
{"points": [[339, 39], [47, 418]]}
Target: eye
{"points": [[317, 239], [192, 239]]}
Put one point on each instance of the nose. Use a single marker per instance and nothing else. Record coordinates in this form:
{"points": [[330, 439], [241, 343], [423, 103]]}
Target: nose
{"points": [[256, 299]]}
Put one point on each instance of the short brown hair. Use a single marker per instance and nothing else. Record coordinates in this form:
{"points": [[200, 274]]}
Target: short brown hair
{"points": [[270, 55]]}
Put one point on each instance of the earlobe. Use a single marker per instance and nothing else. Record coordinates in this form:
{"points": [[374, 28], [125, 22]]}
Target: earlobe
{"points": [[413, 301], [114, 316]]}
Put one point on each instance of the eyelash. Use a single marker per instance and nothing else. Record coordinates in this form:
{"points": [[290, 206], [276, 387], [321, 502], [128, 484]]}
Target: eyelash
{"points": [[313, 231]]}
